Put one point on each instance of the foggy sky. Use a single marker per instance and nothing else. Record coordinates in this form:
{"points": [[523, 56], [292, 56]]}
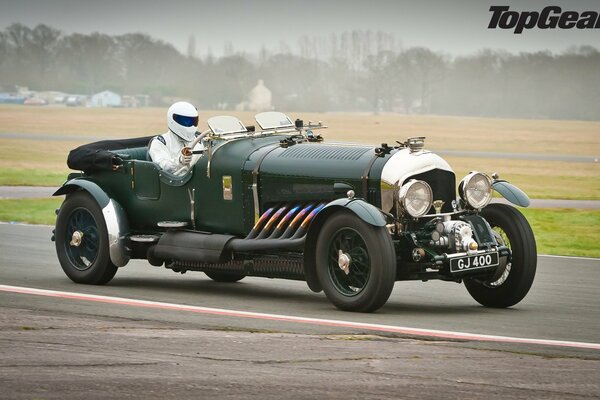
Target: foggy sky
{"points": [[454, 27]]}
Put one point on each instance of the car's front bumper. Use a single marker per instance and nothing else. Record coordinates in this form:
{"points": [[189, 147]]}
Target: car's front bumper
{"points": [[472, 263]]}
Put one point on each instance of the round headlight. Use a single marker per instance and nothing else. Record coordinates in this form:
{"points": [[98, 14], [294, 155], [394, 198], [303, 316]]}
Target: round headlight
{"points": [[476, 189], [416, 197]]}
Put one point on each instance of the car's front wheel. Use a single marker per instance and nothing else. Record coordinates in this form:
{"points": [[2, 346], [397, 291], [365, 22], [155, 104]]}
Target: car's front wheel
{"points": [[512, 282], [82, 240], [355, 263]]}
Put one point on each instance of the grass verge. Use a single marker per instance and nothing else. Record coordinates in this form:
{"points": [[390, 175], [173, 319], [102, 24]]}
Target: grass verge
{"points": [[31, 211], [31, 177], [560, 231], [565, 231]]}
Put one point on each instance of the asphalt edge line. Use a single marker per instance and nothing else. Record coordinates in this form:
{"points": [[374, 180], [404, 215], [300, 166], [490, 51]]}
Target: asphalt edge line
{"points": [[305, 320]]}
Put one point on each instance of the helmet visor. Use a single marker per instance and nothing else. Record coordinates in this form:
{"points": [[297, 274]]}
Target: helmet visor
{"points": [[185, 120]]}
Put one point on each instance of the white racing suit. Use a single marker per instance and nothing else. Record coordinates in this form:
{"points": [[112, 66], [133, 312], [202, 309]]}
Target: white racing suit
{"points": [[165, 150]]}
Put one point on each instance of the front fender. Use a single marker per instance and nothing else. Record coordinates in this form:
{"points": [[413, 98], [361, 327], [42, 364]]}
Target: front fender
{"points": [[510, 192], [117, 226], [363, 210]]}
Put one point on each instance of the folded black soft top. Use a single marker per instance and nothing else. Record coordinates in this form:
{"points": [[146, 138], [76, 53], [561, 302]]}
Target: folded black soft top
{"points": [[98, 156]]}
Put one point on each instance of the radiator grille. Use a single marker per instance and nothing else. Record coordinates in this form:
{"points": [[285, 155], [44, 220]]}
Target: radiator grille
{"points": [[443, 185], [325, 152]]}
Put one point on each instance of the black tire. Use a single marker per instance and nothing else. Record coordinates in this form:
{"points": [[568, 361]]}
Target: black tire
{"points": [[372, 269], [505, 291], [224, 276], [89, 262]]}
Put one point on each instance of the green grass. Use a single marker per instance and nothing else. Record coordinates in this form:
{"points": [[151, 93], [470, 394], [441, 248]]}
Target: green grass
{"points": [[560, 231], [565, 231], [31, 177], [31, 211]]}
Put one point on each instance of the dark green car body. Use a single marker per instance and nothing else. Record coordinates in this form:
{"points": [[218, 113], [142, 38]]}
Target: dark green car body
{"points": [[302, 173], [258, 205]]}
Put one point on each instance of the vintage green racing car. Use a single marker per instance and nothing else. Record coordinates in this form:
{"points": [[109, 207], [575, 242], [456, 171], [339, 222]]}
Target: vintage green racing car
{"points": [[278, 201]]}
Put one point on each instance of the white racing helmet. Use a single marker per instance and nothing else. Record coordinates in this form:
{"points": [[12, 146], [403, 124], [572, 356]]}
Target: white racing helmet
{"points": [[182, 120]]}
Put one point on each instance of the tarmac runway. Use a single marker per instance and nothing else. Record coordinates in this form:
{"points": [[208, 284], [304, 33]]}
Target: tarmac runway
{"points": [[68, 345]]}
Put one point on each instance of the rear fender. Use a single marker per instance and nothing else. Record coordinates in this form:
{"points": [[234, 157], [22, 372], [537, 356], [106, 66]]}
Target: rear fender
{"points": [[363, 210], [94, 190], [117, 225]]}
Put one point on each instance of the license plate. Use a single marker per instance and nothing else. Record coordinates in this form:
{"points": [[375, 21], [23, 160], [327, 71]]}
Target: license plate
{"points": [[473, 262]]}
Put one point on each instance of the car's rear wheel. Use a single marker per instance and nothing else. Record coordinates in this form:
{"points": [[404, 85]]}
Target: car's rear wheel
{"points": [[224, 276], [355, 263], [512, 283], [82, 241]]}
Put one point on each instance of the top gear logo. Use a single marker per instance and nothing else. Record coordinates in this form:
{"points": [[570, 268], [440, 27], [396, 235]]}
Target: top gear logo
{"points": [[550, 17]]}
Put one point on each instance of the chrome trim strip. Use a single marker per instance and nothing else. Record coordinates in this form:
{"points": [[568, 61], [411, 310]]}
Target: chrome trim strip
{"points": [[475, 253], [255, 197]]}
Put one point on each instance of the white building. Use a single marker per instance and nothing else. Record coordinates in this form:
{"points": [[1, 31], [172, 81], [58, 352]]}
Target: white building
{"points": [[259, 98], [106, 99]]}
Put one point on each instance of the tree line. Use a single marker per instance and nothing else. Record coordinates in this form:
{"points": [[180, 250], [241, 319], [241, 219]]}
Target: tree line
{"points": [[353, 71]]}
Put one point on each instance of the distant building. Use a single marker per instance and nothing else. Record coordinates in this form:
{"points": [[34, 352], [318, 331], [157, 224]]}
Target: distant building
{"points": [[106, 99], [259, 98]]}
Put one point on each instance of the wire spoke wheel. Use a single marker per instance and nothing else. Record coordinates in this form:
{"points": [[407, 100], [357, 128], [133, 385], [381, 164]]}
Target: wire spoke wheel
{"points": [[82, 254], [349, 242], [511, 284], [82, 240], [355, 262]]}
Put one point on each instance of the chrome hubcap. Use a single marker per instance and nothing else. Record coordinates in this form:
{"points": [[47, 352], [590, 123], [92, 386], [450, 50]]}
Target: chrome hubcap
{"points": [[76, 239], [344, 262]]}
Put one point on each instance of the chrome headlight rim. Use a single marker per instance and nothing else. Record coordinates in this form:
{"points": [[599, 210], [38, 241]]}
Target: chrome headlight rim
{"points": [[467, 183], [409, 188]]}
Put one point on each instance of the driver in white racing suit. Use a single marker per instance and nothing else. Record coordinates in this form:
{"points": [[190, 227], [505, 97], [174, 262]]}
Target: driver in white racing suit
{"points": [[165, 149]]}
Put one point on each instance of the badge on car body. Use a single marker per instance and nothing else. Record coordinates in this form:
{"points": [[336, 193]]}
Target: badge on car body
{"points": [[437, 205], [227, 187]]}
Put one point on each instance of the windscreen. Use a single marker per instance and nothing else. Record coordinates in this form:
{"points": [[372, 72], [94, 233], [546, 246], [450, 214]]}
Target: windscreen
{"points": [[225, 124], [273, 120]]}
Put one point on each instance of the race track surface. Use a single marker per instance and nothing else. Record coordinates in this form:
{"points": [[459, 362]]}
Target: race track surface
{"points": [[68, 347]]}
